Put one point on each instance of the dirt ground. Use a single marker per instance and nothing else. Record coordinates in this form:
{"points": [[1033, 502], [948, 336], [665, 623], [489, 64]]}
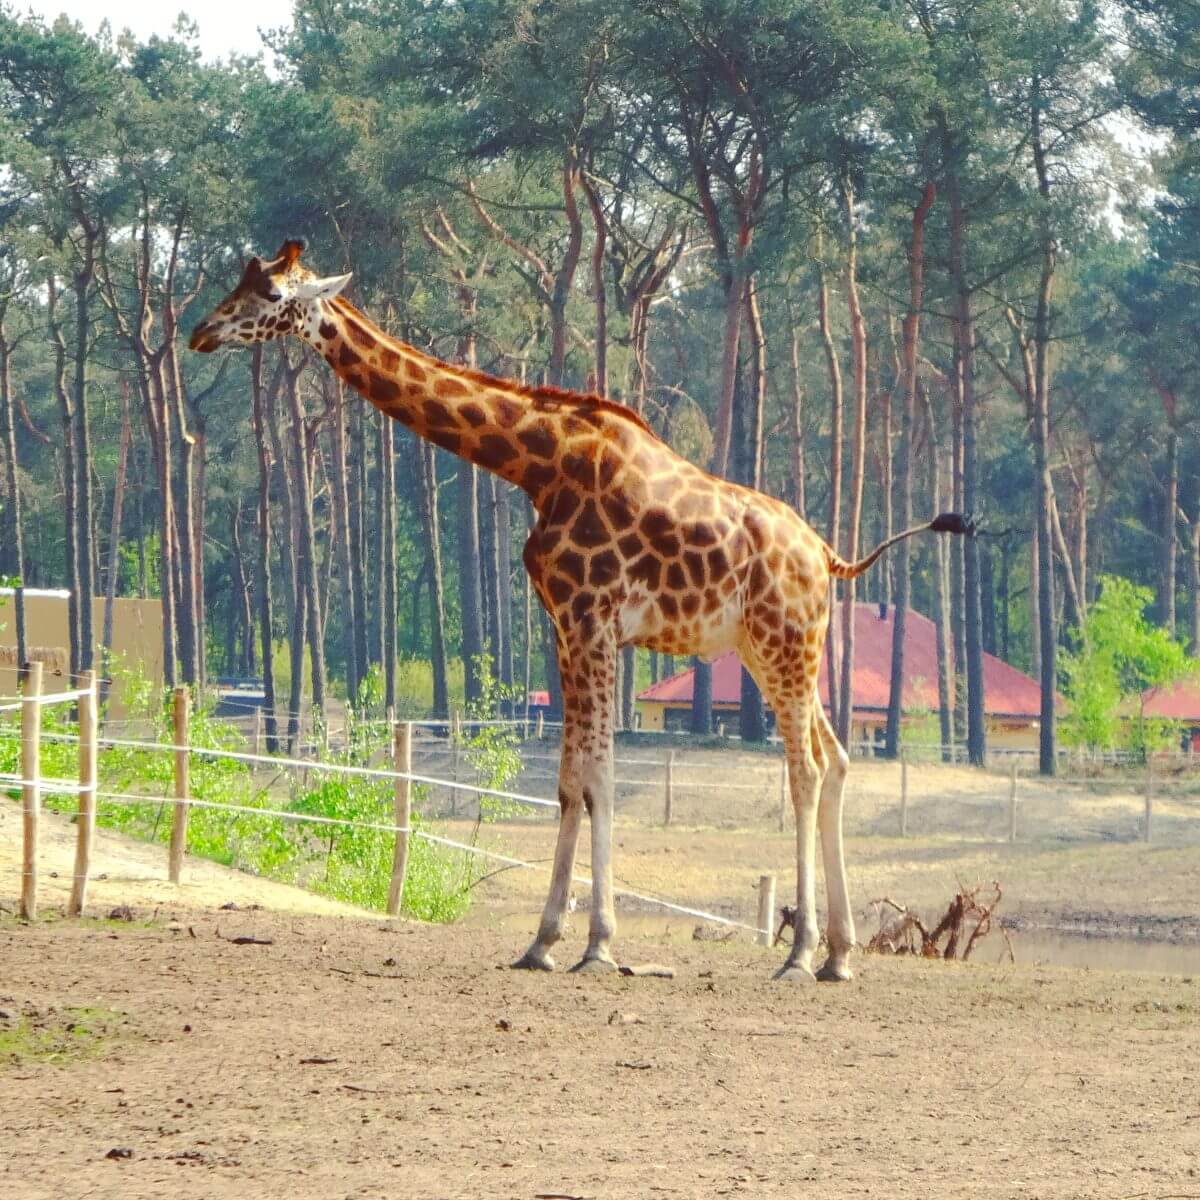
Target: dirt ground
{"points": [[360, 1059], [338, 1055]]}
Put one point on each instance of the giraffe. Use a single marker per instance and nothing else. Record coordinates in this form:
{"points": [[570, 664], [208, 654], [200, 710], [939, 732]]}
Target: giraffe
{"points": [[632, 544]]}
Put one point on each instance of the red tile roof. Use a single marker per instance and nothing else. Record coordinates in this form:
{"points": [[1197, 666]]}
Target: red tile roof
{"points": [[1007, 691], [1175, 701]]}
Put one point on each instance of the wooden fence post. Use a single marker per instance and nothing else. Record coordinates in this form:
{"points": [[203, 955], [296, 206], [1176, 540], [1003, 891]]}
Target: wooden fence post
{"points": [[402, 808], [541, 725], [1012, 802], [669, 788], [904, 793], [766, 908], [31, 795], [180, 822], [86, 829], [1148, 817], [783, 793], [258, 725]]}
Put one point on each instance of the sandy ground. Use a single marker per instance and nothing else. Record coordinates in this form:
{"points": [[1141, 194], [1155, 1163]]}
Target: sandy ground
{"points": [[134, 873], [349, 1059], [338, 1055]]}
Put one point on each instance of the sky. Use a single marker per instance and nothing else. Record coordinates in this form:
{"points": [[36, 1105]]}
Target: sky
{"points": [[225, 25]]}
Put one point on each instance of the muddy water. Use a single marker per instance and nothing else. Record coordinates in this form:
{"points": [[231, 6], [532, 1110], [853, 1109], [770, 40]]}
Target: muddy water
{"points": [[1033, 946]]}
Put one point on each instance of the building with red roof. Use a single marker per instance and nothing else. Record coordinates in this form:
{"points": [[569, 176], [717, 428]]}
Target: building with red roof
{"points": [[1012, 700], [1180, 702]]}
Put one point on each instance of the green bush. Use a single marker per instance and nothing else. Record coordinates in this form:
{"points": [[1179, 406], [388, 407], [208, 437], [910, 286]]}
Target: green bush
{"points": [[343, 861]]}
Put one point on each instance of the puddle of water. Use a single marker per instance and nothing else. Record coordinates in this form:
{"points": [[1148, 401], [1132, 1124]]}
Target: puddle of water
{"points": [[1041, 946]]}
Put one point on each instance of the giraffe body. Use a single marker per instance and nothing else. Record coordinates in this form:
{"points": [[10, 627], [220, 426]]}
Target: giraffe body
{"points": [[633, 545]]}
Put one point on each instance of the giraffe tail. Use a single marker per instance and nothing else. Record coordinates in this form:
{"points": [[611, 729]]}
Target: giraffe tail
{"points": [[947, 522]]}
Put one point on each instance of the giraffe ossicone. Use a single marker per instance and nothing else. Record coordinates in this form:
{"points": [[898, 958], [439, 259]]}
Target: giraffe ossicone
{"points": [[633, 545]]}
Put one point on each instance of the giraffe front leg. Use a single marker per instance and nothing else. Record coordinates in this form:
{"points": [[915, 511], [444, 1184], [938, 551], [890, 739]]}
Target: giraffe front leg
{"points": [[550, 930], [602, 924], [588, 725]]}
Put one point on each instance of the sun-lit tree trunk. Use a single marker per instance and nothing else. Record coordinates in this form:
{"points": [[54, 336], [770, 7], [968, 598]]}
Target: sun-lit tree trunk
{"points": [[14, 535], [114, 535], [427, 470], [798, 497], [1047, 614], [1194, 584], [903, 552], [753, 709], [964, 386], [70, 473], [351, 617], [833, 530], [939, 469], [858, 346], [266, 616], [386, 598]]}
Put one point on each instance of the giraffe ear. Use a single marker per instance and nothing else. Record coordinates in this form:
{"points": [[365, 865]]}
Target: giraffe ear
{"points": [[289, 252], [322, 289]]}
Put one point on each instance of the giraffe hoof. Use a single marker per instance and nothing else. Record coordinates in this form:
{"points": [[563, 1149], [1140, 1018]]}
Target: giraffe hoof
{"points": [[794, 973], [534, 960], [595, 965], [833, 972]]}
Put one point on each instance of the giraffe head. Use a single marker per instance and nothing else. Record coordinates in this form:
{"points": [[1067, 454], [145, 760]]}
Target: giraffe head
{"points": [[271, 298]]}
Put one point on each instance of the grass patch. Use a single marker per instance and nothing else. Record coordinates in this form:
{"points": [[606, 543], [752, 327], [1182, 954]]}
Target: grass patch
{"points": [[58, 1036]]}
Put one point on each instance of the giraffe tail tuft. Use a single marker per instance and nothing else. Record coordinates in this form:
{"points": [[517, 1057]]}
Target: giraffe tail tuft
{"points": [[952, 522]]}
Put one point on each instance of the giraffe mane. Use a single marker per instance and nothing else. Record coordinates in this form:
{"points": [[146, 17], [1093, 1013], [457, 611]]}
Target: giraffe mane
{"points": [[542, 395]]}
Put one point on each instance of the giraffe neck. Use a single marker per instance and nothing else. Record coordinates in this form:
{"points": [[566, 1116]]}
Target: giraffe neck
{"points": [[530, 437]]}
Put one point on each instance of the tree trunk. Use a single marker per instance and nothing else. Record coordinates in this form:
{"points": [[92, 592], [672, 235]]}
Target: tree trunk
{"points": [[753, 720], [504, 568], [1047, 613], [84, 540], [14, 538], [938, 469], [340, 498], [387, 533], [265, 615], [1194, 583], [836, 436], [70, 473], [798, 497], [1169, 542], [470, 594], [965, 378], [911, 336], [987, 595], [702, 698], [858, 344], [114, 538], [429, 513], [241, 662]]}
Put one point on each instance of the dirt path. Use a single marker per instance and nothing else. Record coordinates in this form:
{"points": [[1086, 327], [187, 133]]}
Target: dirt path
{"points": [[125, 871], [355, 1060]]}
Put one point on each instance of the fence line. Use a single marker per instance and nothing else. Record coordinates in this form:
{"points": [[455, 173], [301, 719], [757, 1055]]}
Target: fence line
{"points": [[32, 782], [304, 764]]}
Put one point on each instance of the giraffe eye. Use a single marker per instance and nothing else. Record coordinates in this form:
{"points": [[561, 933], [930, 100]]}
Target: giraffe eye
{"points": [[273, 296]]}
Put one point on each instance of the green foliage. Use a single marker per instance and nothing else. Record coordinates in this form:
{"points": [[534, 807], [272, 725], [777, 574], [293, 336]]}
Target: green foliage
{"points": [[344, 861], [1120, 655], [492, 749]]}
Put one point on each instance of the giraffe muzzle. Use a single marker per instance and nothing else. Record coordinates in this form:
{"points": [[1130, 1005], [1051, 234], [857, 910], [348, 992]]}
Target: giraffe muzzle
{"points": [[204, 339]]}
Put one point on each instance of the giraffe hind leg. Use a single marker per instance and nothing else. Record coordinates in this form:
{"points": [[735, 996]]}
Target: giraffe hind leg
{"points": [[840, 931]]}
